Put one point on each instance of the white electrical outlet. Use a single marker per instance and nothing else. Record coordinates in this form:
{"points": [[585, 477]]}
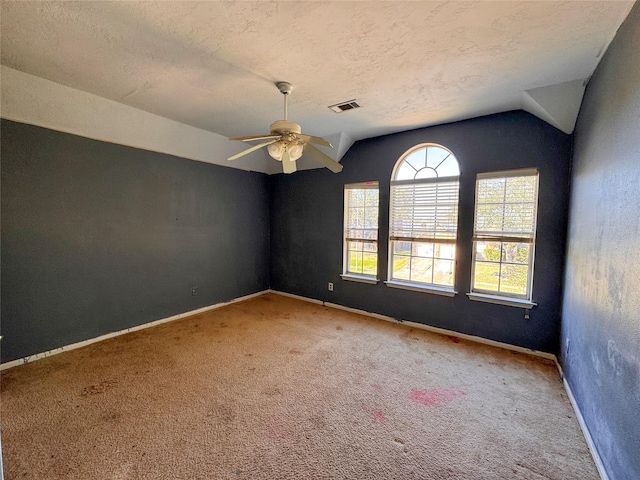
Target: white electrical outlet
{"points": [[330, 286]]}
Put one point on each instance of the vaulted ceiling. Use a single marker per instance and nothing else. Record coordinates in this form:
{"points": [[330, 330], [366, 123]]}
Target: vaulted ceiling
{"points": [[213, 65]]}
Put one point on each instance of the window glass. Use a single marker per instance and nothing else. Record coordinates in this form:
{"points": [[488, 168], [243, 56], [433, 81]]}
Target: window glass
{"points": [[361, 202], [504, 233]]}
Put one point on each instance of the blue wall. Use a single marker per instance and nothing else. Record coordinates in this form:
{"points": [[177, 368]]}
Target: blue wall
{"points": [[601, 320], [98, 237], [307, 218]]}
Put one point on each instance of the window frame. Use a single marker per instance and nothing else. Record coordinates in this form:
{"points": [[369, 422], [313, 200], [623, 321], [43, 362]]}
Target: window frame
{"points": [[434, 240], [501, 297], [346, 274]]}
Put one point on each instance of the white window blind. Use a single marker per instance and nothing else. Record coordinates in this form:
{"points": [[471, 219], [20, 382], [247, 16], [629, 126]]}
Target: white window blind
{"points": [[424, 210], [506, 205]]}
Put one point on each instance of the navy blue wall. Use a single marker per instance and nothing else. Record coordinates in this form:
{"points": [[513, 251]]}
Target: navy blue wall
{"points": [[307, 217], [98, 237], [601, 320]]}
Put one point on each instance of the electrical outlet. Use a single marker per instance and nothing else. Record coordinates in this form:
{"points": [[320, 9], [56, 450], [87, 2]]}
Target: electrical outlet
{"points": [[330, 286], [194, 291]]}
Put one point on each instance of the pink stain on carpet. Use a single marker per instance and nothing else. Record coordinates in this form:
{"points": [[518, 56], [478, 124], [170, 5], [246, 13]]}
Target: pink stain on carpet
{"points": [[295, 351], [435, 397], [376, 414], [377, 386]]}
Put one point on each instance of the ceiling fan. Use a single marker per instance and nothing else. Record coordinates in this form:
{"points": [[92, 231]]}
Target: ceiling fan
{"points": [[286, 143]]}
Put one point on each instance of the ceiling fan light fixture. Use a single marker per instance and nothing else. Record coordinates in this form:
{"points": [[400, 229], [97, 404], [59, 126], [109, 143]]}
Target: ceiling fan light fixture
{"points": [[276, 150], [295, 150]]}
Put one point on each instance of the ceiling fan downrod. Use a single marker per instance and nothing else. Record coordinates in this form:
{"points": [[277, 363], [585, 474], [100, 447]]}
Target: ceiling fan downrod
{"points": [[285, 88], [284, 127]]}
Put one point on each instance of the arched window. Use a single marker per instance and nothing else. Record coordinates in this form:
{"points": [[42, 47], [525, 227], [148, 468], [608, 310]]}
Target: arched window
{"points": [[423, 224]]}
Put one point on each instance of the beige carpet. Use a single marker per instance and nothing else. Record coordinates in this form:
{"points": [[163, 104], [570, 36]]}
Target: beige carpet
{"points": [[277, 388]]}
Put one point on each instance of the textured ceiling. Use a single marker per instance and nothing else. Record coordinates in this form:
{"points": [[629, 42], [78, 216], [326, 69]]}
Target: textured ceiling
{"points": [[213, 65]]}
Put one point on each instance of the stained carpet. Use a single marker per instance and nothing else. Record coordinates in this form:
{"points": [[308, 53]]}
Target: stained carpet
{"points": [[277, 388]]}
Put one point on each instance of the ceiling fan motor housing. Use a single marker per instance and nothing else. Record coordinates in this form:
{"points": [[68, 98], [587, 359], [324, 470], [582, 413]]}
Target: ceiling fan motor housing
{"points": [[280, 127]]}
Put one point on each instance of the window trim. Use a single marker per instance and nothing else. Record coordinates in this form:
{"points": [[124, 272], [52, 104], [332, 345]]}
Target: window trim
{"points": [[499, 300], [421, 287], [360, 278], [354, 276], [505, 298], [439, 289]]}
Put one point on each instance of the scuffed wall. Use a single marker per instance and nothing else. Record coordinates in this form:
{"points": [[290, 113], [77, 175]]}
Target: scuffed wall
{"points": [[601, 316]]}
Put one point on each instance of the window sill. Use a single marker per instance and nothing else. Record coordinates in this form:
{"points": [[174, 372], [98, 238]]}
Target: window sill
{"points": [[359, 278], [511, 302], [420, 288]]}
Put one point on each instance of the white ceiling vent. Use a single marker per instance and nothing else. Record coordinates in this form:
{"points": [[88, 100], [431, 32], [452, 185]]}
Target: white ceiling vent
{"points": [[344, 106]]}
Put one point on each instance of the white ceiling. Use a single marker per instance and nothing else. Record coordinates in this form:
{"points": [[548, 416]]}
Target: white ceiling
{"points": [[213, 65]]}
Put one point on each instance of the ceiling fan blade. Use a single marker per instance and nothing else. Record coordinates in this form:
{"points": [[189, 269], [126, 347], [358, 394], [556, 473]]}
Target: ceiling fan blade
{"points": [[255, 137], [252, 149], [288, 165], [325, 160], [312, 139]]}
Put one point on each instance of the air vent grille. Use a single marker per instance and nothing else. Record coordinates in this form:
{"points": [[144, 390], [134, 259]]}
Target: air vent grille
{"points": [[344, 106]]}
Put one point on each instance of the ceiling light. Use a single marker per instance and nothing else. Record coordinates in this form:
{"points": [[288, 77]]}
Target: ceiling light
{"points": [[295, 150], [276, 150]]}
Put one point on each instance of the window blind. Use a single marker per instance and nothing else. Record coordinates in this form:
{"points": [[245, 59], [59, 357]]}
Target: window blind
{"points": [[506, 206], [361, 212], [424, 210]]}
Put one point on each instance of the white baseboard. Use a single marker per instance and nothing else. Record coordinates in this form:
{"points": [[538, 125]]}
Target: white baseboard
{"points": [[441, 331], [583, 426], [299, 297], [84, 343], [451, 333]]}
